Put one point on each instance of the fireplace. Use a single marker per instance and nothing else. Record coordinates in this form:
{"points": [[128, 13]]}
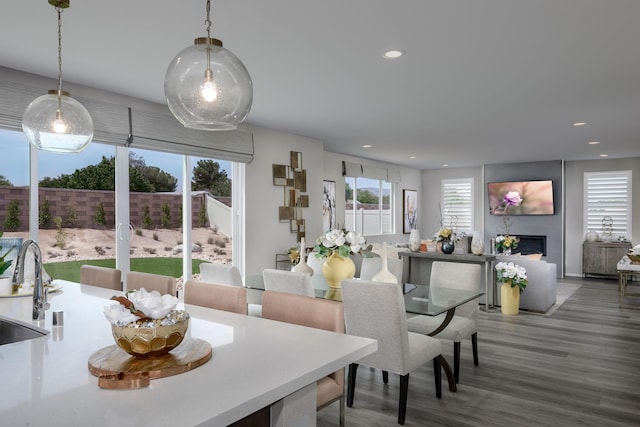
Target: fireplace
{"points": [[532, 245]]}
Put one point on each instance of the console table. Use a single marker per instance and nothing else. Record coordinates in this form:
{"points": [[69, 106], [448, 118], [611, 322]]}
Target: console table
{"points": [[417, 268], [601, 258]]}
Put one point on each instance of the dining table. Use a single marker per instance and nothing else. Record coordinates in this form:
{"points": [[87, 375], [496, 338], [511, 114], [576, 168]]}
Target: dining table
{"points": [[419, 299]]}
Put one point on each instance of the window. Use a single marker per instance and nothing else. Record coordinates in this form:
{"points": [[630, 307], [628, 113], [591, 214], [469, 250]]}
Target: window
{"points": [[369, 212], [457, 204], [607, 196]]}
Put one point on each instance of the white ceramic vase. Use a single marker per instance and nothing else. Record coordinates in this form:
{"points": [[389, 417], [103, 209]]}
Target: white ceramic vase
{"points": [[477, 243], [384, 275], [414, 240], [6, 288], [302, 266]]}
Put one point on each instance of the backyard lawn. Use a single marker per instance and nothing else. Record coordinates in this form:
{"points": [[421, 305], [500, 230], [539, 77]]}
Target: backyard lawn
{"points": [[70, 270]]}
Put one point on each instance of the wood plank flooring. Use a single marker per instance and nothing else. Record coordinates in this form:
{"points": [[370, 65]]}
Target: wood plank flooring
{"points": [[579, 366]]}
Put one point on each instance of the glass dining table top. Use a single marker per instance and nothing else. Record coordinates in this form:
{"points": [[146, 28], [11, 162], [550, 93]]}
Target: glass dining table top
{"points": [[418, 299]]}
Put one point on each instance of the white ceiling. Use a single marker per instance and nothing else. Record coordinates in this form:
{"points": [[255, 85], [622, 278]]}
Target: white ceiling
{"points": [[483, 81]]}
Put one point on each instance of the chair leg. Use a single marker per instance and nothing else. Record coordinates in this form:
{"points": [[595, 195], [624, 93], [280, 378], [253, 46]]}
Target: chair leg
{"points": [[385, 377], [456, 361], [351, 383], [474, 345], [402, 405], [437, 374], [342, 411]]}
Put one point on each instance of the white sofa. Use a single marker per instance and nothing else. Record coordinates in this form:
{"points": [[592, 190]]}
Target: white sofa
{"points": [[540, 293]]}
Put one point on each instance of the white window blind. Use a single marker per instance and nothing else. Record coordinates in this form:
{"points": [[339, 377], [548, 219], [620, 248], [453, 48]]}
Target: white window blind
{"points": [[457, 204], [608, 194]]}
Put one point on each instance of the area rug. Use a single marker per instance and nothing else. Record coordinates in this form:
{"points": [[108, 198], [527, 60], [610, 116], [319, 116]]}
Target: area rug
{"points": [[565, 290]]}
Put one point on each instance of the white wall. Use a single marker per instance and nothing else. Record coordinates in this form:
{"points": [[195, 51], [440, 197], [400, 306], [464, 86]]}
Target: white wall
{"points": [[574, 234], [410, 179], [265, 234]]}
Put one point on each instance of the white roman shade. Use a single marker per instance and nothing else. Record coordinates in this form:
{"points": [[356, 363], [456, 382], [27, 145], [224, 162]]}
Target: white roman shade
{"points": [[351, 169], [393, 176], [159, 130], [122, 120]]}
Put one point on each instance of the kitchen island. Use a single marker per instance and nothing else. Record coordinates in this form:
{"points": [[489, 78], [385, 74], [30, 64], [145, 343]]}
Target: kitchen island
{"points": [[256, 363]]}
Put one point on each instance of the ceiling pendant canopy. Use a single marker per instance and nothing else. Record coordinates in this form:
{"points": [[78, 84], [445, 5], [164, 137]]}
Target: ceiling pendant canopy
{"points": [[207, 87], [57, 122]]}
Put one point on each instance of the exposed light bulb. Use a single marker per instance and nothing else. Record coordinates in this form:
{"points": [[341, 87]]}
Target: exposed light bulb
{"points": [[208, 91], [58, 125]]}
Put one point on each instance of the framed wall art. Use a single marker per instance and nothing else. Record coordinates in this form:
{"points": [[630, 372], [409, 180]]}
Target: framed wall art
{"points": [[328, 205], [409, 210]]}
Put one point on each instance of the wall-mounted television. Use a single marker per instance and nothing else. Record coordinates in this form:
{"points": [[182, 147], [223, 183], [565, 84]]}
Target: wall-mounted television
{"points": [[537, 197]]}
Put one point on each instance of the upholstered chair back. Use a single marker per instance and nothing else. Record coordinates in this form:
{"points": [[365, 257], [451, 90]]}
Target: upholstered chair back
{"points": [[104, 277], [288, 281], [151, 282], [218, 296], [457, 275], [220, 273]]}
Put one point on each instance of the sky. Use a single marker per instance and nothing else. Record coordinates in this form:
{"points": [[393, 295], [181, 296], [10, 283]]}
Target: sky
{"points": [[14, 159]]}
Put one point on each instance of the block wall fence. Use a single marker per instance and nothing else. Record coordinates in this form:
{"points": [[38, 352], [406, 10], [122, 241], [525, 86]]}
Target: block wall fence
{"points": [[86, 202]]}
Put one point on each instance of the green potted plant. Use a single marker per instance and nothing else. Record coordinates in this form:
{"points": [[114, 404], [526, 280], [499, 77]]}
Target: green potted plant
{"points": [[6, 287]]}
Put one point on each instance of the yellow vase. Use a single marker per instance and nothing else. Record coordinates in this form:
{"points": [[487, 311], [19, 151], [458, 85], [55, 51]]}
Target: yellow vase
{"points": [[336, 268], [509, 298]]}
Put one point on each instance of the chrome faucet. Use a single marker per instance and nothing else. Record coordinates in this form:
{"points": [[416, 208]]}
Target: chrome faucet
{"points": [[40, 304]]}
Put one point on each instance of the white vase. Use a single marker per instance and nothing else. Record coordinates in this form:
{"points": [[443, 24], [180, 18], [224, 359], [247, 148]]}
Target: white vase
{"points": [[414, 240], [384, 275], [302, 266], [477, 243], [6, 288]]}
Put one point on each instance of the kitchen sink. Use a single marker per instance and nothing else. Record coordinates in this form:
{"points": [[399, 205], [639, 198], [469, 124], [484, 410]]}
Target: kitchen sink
{"points": [[15, 331]]}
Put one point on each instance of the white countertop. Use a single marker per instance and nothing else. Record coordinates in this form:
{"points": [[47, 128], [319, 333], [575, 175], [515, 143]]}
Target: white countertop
{"points": [[256, 362]]}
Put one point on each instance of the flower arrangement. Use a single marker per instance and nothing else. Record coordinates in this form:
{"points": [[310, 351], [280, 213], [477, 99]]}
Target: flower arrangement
{"points": [[506, 243], [4, 264], [510, 272], [294, 255], [141, 305], [634, 254], [338, 240], [444, 235]]}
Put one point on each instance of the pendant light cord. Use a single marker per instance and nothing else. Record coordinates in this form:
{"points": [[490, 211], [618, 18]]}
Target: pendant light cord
{"points": [[59, 10], [207, 21]]}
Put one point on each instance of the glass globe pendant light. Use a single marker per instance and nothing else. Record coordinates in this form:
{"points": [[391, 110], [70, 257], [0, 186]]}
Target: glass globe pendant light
{"points": [[207, 87], [57, 122]]}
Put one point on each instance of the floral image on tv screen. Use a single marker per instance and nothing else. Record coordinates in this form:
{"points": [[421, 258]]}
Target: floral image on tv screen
{"points": [[537, 197]]}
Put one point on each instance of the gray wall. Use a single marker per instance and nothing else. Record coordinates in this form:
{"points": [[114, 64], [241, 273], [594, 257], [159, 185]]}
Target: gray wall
{"points": [[551, 226]]}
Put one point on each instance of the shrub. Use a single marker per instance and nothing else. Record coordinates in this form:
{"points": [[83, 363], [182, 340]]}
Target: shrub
{"points": [[138, 232], [44, 214], [221, 243], [72, 214], [146, 218], [99, 250], [165, 217], [151, 251], [210, 240], [100, 217], [12, 220], [61, 235], [202, 214], [214, 228], [71, 253], [155, 237]]}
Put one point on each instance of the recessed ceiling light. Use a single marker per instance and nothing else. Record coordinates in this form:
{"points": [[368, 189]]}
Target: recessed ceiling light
{"points": [[594, 142], [604, 155], [367, 146], [445, 165], [580, 123], [412, 157], [393, 54]]}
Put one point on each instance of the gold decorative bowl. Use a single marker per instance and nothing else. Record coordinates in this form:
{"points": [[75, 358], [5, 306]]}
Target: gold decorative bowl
{"points": [[152, 338], [635, 259]]}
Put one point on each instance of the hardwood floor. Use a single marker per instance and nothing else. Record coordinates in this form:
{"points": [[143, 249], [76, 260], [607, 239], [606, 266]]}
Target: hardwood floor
{"points": [[577, 366]]}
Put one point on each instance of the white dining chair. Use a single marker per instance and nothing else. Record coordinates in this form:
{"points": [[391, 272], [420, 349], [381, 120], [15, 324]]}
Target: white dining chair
{"points": [[288, 281], [104, 277], [464, 325], [376, 310]]}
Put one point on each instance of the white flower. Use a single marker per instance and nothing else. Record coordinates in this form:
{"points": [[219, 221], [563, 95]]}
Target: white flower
{"points": [[118, 315], [153, 304], [635, 250]]}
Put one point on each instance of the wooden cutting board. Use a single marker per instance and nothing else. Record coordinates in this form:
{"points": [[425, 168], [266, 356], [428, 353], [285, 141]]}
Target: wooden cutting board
{"points": [[117, 369]]}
